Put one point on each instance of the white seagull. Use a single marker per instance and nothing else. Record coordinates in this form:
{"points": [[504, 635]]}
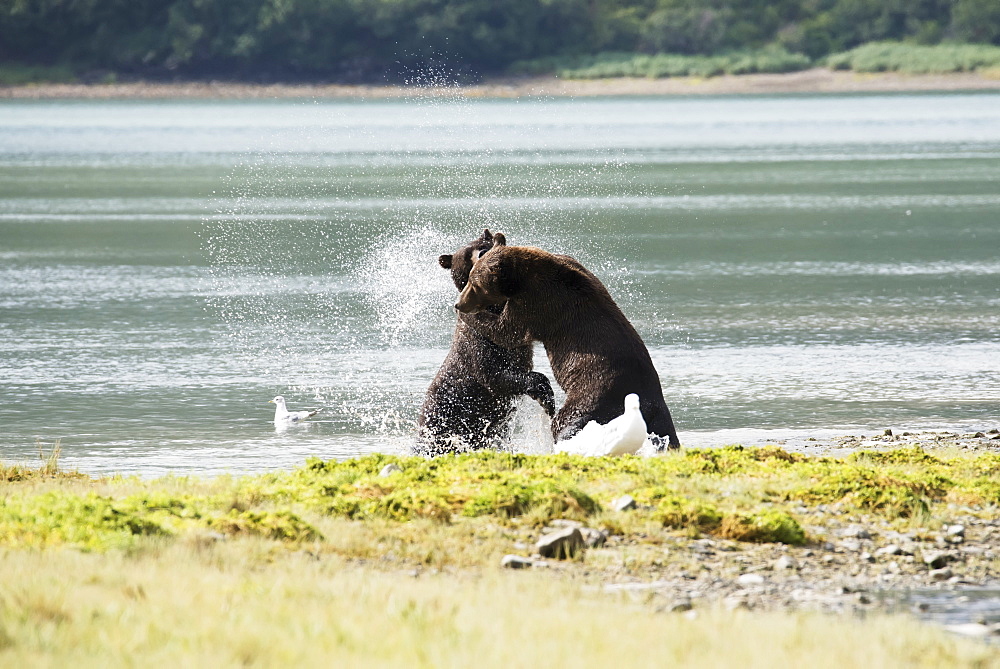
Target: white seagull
{"points": [[283, 417], [620, 436]]}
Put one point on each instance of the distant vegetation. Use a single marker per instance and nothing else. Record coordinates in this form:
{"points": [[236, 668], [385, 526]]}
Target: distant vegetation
{"points": [[366, 40], [914, 59], [603, 65]]}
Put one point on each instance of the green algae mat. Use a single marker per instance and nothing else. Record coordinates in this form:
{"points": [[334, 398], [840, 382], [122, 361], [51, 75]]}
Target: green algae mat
{"points": [[735, 493]]}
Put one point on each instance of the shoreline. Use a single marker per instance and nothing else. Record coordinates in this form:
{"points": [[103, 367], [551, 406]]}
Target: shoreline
{"points": [[920, 537], [813, 81]]}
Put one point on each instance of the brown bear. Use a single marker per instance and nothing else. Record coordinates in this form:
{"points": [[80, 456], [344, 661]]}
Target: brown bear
{"points": [[471, 400], [597, 356]]}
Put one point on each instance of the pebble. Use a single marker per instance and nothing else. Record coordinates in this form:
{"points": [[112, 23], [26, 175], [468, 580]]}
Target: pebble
{"points": [[734, 602], [973, 629], [891, 549], [942, 574], [680, 605], [561, 544], [624, 503], [593, 538], [750, 579], [857, 532], [391, 468], [515, 562], [955, 530], [936, 560], [564, 522], [785, 562], [850, 545]]}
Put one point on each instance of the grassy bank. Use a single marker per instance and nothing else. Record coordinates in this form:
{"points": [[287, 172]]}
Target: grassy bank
{"points": [[732, 493], [349, 561], [241, 604], [871, 57]]}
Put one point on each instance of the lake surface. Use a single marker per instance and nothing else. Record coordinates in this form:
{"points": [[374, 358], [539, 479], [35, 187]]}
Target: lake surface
{"points": [[796, 264]]}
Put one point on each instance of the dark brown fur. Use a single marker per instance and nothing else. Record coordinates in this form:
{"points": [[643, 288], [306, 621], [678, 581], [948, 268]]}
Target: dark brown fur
{"points": [[471, 400], [597, 356]]}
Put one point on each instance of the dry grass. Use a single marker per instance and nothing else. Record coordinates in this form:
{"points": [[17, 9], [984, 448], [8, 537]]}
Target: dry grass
{"points": [[240, 604], [217, 585]]}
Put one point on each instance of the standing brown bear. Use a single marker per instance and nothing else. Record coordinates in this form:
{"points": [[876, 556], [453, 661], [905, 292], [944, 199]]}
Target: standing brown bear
{"points": [[471, 401], [597, 356]]}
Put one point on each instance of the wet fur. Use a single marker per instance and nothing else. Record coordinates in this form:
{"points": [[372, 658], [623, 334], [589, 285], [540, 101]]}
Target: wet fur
{"points": [[597, 356], [471, 401]]}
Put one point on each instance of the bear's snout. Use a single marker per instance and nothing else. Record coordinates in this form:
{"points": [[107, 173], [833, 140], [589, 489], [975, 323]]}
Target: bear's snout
{"points": [[465, 308]]}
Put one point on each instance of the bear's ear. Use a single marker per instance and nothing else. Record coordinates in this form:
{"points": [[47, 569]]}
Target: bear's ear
{"points": [[445, 261], [499, 239], [487, 236]]}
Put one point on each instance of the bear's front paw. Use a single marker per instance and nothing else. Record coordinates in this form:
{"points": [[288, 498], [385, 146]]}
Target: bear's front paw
{"points": [[540, 390]]}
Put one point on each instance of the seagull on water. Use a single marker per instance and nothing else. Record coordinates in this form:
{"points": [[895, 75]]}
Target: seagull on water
{"points": [[283, 417], [620, 436]]}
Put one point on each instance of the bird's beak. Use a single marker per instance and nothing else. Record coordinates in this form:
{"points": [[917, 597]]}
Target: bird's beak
{"points": [[270, 401]]}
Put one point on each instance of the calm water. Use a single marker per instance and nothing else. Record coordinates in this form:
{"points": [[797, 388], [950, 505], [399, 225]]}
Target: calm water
{"points": [[795, 264]]}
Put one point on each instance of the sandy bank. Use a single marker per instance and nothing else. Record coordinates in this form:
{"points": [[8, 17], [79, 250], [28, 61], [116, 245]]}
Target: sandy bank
{"points": [[817, 80]]}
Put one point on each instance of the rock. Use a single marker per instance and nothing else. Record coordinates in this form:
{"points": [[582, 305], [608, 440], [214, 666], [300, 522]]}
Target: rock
{"points": [[955, 530], [867, 557], [942, 574], [593, 538], [750, 579], [857, 532], [624, 503], [564, 522], [391, 468], [850, 545], [734, 602], [886, 551], [937, 559], [515, 562], [208, 537], [785, 562], [563, 544], [972, 629], [680, 605]]}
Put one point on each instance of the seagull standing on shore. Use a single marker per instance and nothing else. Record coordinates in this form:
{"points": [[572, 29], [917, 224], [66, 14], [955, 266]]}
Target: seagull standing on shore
{"points": [[283, 417], [620, 436]]}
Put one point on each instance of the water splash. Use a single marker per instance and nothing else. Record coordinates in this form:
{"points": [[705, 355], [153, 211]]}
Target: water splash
{"points": [[324, 266]]}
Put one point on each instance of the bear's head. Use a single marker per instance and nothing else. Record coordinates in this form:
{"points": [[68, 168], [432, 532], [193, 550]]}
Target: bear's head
{"points": [[460, 262], [491, 281]]}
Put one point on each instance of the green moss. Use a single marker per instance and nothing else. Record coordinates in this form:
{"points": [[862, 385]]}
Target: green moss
{"points": [[407, 504], [890, 492], [679, 513], [90, 522], [278, 525], [765, 527], [736, 492], [913, 455]]}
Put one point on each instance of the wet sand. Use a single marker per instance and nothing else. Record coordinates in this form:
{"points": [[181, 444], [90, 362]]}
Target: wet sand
{"points": [[818, 80]]}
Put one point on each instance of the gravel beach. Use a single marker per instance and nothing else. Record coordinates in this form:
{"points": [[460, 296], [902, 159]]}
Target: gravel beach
{"points": [[817, 80]]}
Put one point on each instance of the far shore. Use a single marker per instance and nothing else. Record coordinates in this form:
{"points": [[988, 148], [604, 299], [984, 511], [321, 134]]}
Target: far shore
{"points": [[818, 80]]}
